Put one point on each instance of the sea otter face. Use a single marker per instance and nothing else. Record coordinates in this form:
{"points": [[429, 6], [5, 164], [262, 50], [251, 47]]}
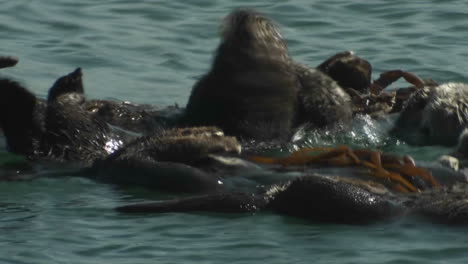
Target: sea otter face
{"points": [[71, 83]]}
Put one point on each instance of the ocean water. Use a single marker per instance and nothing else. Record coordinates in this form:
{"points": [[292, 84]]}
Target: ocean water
{"points": [[152, 52]]}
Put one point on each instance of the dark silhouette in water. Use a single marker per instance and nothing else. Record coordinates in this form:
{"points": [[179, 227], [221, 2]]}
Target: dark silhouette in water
{"points": [[60, 128], [349, 71], [177, 160], [327, 199], [72, 133], [21, 118], [255, 90]]}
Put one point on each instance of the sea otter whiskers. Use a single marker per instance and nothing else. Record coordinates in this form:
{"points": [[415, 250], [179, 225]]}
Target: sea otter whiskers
{"points": [[255, 90]]}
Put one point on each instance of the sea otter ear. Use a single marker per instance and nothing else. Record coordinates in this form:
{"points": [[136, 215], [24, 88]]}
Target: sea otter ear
{"points": [[70, 83]]}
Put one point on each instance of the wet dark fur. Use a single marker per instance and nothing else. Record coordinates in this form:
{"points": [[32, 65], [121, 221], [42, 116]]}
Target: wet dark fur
{"points": [[20, 118], [251, 89], [169, 160], [349, 71], [143, 119], [255, 90], [70, 83], [72, 133], [434, 115], [329, 199], [322, 102], [59, 128]]}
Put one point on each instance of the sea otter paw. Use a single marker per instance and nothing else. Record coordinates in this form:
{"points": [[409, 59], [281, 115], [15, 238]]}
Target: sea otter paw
{"points": [[7, 61]]}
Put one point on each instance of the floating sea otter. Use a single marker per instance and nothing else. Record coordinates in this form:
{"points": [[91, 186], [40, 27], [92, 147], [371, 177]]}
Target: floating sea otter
{"points": [[330, 199], [60, 128], [66, 122], [434, 115], [255, 90], [177, 160]]}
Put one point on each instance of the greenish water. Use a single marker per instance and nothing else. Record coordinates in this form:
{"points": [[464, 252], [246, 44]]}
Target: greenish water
{"points": [[152, 52]]}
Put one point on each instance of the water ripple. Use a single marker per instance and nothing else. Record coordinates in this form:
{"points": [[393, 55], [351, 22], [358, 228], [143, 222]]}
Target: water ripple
{"points": [[153, 52]]}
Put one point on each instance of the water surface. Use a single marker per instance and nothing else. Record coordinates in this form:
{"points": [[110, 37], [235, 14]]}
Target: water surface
{"points": [[153, 52]]}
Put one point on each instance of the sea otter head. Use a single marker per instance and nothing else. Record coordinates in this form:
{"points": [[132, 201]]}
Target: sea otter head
{"points": [[348, 70], [71, 83], [248, 31]]}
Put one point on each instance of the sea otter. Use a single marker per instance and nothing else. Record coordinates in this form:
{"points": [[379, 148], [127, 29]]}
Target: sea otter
{"points": [[327, 199], [72, 134], [177, 160], [141, 119], [255, 90], [59, 128], [434, 115]]}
